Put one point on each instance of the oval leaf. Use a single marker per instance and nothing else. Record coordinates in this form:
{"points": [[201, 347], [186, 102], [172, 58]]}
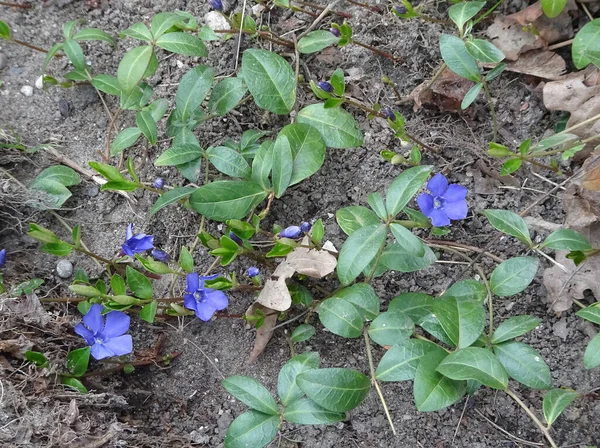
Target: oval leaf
{"points": [[355, 217], [316, 41], [226, 95], [192, 90], [171, 196], [287, 389], [556, 401], [462, 319], [340, 317], [567, 239], [252, 429], [473, 363], [509, 223], [400, 362], [307, 412], [337, 127], [514, 327], [458, 59], [133, 67], [524, 364], [404, 187], [223, 200], [391, 328], [182, 43], [251, 393], [358, 250], [513, 276], [228, 161]]}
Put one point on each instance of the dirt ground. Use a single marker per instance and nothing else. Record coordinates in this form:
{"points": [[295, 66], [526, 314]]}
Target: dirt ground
{"points": [[183, 404]]}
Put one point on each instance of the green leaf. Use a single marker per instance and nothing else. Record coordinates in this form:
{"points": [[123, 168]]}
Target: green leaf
{"points": [[107, 84], [263, 163], [400, 362], [251, 393], [524, 364], [94, 34], [178, 154], [206, 33], [182, 43], [355, 217], [75, 54], [554, 140], [591, 313], [556, 401], [375, 201], [473, 363], [316, 41], [337, 81], [4, 31], [124, 139], [270, 79], [53, 181], [458, 59], [186, 261], [471, 96], [282, 165], [42, 234], [59, 249], [467, 289], [415, 305], [145, 122], [391, 328], [586, 40], [337, 127], [228, 161], [318, 231], [252, 429], [461, 13], [432, 390], [509, 223], [408, 240], [358, 250], [510, 166], [591, 357], [484, 51], [118, 285], [75, 384], [340, 317], [553, 8], [567, 239], [223, 200], [287, 389], [171, 196], [404, 187], [37, 358], [158, 108], [192, 90], [514, 327], [154, 266], [306, 412], [462, 319], [336, 389], [78, 360], [139, 284], [396, 258], [138, 31], [85, 290], [26, 287], [303, 333], [495, 72], [226, 95], [133, 66], [513, 276], [51, 53], [307, 147], [163, 22], [364, 299]]}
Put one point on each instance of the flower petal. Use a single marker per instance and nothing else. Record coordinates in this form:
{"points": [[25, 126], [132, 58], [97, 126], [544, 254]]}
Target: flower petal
{"points": [[456, 209], [205, 311], [84, 333], [2, 258], [120, 345], [117, 323], [93, 319], [189, 302], [438, 218], [425, 202], [129, 232], [192, 282], [437, 185], [455, 192], [208, 277], [141, 242], [216, 298], [126, 250], [99, 352]]}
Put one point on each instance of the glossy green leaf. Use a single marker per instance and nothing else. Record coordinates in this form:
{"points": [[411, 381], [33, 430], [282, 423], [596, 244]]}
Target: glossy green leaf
{"points": [[337, 127], [145, 122], [553, 8], [415, 305], [263, 163], [510, 166], [282, 165], [462, 319], [513, 276], [364, 299], [228, 161], [223, 200], [176, 155], [133, 66], [316, 41], [355, 217], [53, 181], [567, 239], [461, 13], [124, 139], [400, 362], [50, 54], [138, 31], [471, 96], [514, 327], [94, 34], [154, 266], [226, 95], [467, 289], [4, 31], [171, 196], [270, 79], [78, 360], [192, 90], [306, 412], [335, 389], [391, 327], [458, 59], [307, 149], [340, 317], [591, 313], [182, 43], [186, 261], [252, 393], [396, 258], [107, 84], [37, 358], [591, 357], [140, 285], [586, 40], [252, 429], [287, 389], [58, 249], [408, 240], [404, 187], [163, 22], [509, 223], [358, 250], [474, 363], [524, 364], [303, 333], [75, 384], [118, 285], [375, 201], [556, 401], [158, 108], [75, 54], [26, 287], [484, 51], [148, 312]]}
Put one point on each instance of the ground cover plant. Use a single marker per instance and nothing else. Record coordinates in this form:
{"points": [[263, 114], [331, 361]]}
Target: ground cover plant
{"points": [[229, 232]]}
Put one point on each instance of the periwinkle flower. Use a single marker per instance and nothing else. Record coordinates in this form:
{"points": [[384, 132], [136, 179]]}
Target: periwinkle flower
{"points": [[158, 183], [136, 243], [325, 85], [106, 338], [292, 232], [2, 258], [305, 227], [202, 300], [445, 202], [388, 113], [217, 4], [335, 32], [236, 238], [400, 9], [252, 271], [160, 255]]}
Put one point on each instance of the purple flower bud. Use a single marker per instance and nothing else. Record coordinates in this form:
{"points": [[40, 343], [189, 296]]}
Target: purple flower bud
{"points": [[335, 32], [252, 271], [326, 86], [217, 4], [292, 232], [400, 9], [2, 258], [159, 182], [160, 255], [389, 114], [235, 238], [305, 226]]}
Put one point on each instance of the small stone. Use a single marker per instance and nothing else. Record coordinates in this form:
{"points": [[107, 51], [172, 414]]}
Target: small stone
{"points": [[215, 21], [224, 421], [64, 268], [27, 90], [257, 10], [92, 191], [39, 83]]}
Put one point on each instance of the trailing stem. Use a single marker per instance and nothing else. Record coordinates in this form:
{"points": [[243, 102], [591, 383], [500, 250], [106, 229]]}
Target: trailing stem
{"points": [[533, 417], [490, 100]]}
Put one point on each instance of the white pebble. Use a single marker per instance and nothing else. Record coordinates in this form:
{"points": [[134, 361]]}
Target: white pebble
{"points": [[39, 83], [27, 90], [215, 21], [64, 268]]}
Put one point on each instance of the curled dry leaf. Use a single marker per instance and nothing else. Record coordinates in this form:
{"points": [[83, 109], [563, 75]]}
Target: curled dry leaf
{"points": [[275, 294], [264, 333], [446, 93], [511, 39], [544, 64]]}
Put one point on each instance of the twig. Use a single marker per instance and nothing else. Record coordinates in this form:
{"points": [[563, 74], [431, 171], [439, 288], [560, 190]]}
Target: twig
{"points": [[239, 43], [465, 247], [533, 417], [385, 54], [289, 321], [205, 355], [106, 156], [16, 5], [312, 26], [460, 420], [504, 431], [561, 44], [33, 47], [319, 7]]}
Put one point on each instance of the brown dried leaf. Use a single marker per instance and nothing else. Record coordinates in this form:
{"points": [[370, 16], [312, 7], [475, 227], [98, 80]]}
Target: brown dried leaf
{"points": [[264, 333], [275, 294], [510, 38], [549, 29], [446, 93], [543, 64], [16, 347], [30, 310], [311, 262]]}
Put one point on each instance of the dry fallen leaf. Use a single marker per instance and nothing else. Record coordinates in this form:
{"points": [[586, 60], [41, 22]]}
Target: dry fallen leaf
{"points": [[264, 333], [446, 93], [16, 347], [511, 39], [311, 262], [542, 64]]}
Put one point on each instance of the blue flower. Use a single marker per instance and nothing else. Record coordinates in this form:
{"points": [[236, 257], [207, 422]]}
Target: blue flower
{"points": [[335, 32], [2, 258], [305, 227], [202, 300], [400, 9], [292, 232], [217, 4], [160, 255], [445, 202], [136, 243], [326, 86], [389, 114], [108, 338], [159, 182], [235, 238], [252, 271]]}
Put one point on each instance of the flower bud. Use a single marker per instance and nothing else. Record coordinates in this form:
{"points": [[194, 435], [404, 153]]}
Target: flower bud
{"points": [[291, 232], [236, 238], [160, 255], [159, 182], [217, 4], [252, 271], [305, 227], [326, 86], [335, 32], [400, 9], [388, 113], [2, 258]]}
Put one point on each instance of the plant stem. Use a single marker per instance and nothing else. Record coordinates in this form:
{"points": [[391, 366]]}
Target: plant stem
{"points": [[490, 100], [93, 255], [432, 19], [436, 75], [558, 151], [490, 301], [374, 380], [533, 417], [487, 13], [16, 5], [33, 47], [376, 9], [385, 54], [321, 8], [423, 338], [272, 37], [464, 246]]}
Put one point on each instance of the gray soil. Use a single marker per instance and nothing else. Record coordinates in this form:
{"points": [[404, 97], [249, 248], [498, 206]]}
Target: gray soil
{"points": [[183, 404]]}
